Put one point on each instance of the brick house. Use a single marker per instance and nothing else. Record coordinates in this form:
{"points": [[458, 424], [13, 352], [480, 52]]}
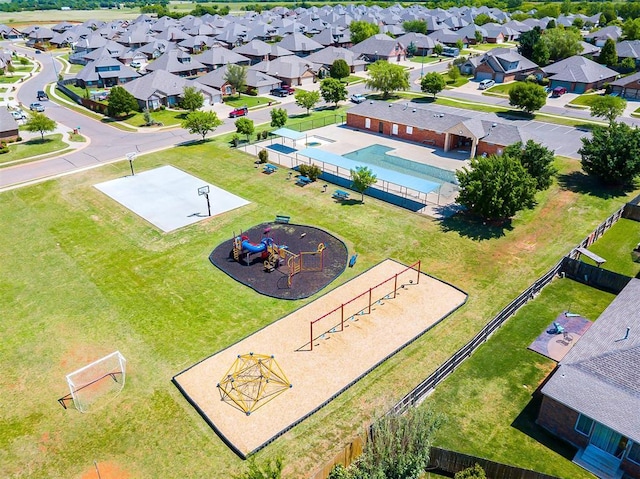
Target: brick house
{"points": [[429, 127], [8, 126], [501, 65], [627, 87], [593, 397]]}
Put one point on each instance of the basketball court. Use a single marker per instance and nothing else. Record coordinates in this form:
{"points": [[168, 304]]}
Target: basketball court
{"points": [[356, 327], [169, 198]]}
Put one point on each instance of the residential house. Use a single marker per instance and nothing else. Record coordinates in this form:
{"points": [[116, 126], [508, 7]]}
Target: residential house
{"points": [[256, 81], [627, 87], [501, 65], [105, 72], [434, 128], [592, 398], [9, 33], [258, 51], [164, 88], [178, 62], [300, 44], [217, 57], [424, 44], [599, 37], [328, 55], [40, 37], [450, 38], [380, 47], [8, 125], [291, 70], [578, 74], [629, 49]]}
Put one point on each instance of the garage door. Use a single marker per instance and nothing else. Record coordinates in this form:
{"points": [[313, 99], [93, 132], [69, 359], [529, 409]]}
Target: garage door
{"points": [[484, 76]]}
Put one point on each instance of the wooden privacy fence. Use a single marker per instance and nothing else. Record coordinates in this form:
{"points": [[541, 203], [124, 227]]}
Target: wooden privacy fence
{"points": [[345, 457], [452, 462], [594, 276]]}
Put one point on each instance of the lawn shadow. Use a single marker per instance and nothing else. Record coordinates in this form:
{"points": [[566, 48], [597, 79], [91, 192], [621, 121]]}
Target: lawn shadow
{"points": [[580, 182], [474, 228], [349, 202], [423, 99], [516, 115], [525, 422], [37, 141]]}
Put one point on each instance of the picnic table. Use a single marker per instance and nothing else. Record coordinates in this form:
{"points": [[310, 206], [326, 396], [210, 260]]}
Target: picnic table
{"points": [[303, 180], [269, 168], [340, 195]]}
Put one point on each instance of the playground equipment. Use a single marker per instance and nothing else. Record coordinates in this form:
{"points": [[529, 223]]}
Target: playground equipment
{"points": [[333, 321], [252, 381], [276, 255]]}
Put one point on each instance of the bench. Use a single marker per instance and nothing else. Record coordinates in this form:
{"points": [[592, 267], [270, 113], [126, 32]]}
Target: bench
{"points": [[283, 219], [303, 180], [599, 261], [269, 168], [340, 195]]}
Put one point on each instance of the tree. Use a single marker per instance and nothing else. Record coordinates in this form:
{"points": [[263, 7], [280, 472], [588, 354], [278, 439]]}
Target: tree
{"points": [[608, 15], [495, 187], [629, 64], [527, 41], [279, 117], [438, 49], [387, 78], [631, 29], [244, 126], [528, 96], [339, 69], [478, 36], [459, 44], [121, 102], [201, 122], [40, 123], [550, 24], [192, 99], [333, 91], [417, 26], [562, 43], [307, 99], [432, 83], [608, 55], [612, 154], [482, 19], [361, 30], [411, 49], [236, 76], [11, 69], [453, 72], [541, 54], [475, 472], [578, 23], [536, 159], [565, 8], [362, 178], [607, 106], [268, 469]]}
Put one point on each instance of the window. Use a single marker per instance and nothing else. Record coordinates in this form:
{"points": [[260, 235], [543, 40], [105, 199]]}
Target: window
{"points": [[584, 425], [409, 130], [634, 453], [367, 122]]}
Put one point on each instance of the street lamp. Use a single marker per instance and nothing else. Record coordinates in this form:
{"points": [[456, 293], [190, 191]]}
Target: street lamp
{"points": [[376, 52], [204, 191], [131, 157], [55, 69]]}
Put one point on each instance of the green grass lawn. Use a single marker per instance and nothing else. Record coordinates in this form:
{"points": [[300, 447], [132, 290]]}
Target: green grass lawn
{"points": [[352, 80], [10, 79], [166, 117], [73, 67], [426, 60], [82, 276], [584, 100], [248, 100], [27, 149], [616, 245], [500, 89], [461, 80], [494, 414], [77, 137], [485, 47]]}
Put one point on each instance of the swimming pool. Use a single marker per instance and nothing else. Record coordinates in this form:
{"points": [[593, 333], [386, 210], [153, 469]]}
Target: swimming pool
{"points": [[377, 155]]}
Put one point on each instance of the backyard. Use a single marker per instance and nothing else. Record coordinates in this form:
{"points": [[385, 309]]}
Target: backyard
{"points": [[88, 277]]}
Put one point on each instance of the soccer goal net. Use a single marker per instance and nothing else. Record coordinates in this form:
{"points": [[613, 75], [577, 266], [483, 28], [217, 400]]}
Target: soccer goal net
{"points": [[99, 381]]}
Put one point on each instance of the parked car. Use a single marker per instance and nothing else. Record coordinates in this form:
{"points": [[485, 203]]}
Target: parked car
{"points": [[102, 96], [289, 90], [558, 91], [484, 84], [358, 98], [242, 111], [281, 92], [135, 64], [18, 115], [42, 95], [36, 107]]}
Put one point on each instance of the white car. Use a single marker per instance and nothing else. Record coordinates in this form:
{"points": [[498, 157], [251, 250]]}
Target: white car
{"points": [[484, 84], [18, 115], [135, 64], [358, 98]]}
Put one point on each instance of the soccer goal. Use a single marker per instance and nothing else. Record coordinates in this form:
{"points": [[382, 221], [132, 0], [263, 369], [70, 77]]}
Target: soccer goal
{"points": [[99, 380]]}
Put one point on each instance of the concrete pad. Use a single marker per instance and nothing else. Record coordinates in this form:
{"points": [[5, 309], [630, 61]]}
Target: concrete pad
{"points": [[168, 197]]}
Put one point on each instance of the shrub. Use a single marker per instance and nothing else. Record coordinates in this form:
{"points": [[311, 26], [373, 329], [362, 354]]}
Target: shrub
{"points": [[339, 472], [263, 156], [265, 134], [235, 140], [251, 93], [310, 171]]}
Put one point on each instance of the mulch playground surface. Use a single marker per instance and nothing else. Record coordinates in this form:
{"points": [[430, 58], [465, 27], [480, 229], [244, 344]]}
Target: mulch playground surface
{"points": [[297, 238], [339, 357]]}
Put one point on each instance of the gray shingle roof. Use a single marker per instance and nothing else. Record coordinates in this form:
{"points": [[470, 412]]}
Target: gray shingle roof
{"points": [[7, 122], [579, 69], [600, 376], [297, 42], [165, 84]]}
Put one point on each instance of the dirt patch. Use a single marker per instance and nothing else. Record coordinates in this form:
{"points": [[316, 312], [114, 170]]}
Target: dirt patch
{"points": [[250, 270], [108, 470]]}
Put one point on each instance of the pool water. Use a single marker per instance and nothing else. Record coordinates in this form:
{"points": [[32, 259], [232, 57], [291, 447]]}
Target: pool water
{"points": [[377, 155]]}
